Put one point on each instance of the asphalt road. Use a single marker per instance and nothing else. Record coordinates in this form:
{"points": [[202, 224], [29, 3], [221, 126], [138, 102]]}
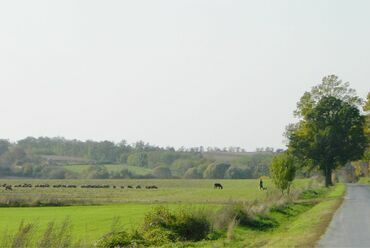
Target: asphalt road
{"points": [[350, 226]]}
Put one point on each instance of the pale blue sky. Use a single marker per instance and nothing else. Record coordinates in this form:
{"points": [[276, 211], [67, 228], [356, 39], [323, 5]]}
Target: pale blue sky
{"points": [[211, 73]]}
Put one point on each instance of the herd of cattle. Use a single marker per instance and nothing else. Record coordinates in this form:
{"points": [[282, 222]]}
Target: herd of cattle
{"points": [[84, 186]]}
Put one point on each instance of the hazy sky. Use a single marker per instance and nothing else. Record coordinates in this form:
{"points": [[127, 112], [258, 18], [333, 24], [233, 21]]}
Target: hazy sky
{"points": [[211, 73]]}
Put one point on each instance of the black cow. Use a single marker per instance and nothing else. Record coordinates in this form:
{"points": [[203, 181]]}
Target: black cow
{"points": [[218, 186]]}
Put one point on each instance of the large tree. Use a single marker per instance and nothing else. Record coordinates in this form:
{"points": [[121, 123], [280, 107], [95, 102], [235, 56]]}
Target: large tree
{"points": [[331, 130]]}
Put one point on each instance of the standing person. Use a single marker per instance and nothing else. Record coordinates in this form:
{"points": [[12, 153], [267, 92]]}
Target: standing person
{"points": [[261, 184]]}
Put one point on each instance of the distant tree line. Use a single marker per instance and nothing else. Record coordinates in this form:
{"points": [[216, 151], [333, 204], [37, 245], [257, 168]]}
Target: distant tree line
{"points": [[32, 157]]}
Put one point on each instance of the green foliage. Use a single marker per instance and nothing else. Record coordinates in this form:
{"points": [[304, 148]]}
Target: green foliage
{"points": [[192, 173], [44, 157], [255, 165], [330, 86], [162, 172], [366, 108], [161, 226], [4, 146], [331, 131], [181, 166], [282, 171], [97, 172], [121, 239], [183, 225], [216, 170], [138, 159], [238, 173]]}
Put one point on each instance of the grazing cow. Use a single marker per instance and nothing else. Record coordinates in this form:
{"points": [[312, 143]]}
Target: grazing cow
{"points": [[138, 187], [122, 187], [151, 187], [218, 186], [8, 187], [130, 187]]}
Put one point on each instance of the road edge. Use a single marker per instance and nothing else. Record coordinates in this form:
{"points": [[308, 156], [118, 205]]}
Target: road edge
{"points": [[328, 217]]}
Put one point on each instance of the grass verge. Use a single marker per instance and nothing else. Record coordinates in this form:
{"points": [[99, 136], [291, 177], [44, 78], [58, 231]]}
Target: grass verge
{"points": [[299, 223]]}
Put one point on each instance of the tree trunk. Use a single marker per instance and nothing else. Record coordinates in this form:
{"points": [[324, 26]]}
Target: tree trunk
{"points": [[327, 173]]}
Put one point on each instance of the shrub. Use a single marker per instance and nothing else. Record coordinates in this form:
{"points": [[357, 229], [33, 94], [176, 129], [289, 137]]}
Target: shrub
{"points": [[184, 225], [162, 226], [283, 171], [115, 239], [192, 225]]}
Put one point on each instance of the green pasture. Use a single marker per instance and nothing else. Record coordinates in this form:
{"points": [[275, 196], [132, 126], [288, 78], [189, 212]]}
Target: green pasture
{"points": [[89, 222], [169, 191]]}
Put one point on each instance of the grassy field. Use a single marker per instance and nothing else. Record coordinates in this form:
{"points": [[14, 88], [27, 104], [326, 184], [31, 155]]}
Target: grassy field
{"points": [[89, 223], [128, 207], [110, 167], [169, 191]]}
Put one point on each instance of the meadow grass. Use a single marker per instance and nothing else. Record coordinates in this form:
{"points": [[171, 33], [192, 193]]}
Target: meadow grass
{"points": [[90, 222], [169, 191]]}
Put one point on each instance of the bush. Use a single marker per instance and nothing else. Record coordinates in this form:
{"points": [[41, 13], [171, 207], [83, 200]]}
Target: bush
{"points": [[283, 171], [115, 239], [184, 225], [161, 226]]}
